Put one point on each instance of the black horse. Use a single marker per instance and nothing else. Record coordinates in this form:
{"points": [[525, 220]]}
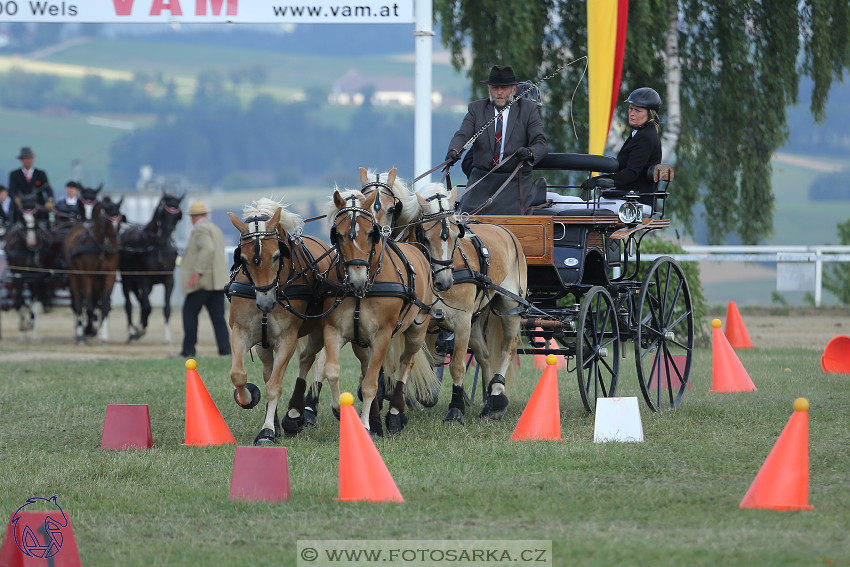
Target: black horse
{"points": [[148, 257], [28, 255]]}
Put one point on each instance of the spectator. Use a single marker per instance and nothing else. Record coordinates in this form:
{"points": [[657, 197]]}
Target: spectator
{"points": [[203, 275]]}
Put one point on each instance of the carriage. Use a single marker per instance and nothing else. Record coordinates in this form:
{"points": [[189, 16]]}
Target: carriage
{"points": [[587, 294]]}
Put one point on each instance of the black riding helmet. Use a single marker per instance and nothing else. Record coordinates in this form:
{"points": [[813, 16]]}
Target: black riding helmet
{"points": [[529, 90], [645, 97]]}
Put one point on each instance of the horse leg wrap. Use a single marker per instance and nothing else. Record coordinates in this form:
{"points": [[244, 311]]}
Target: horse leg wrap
{"points": [[457, 406], [396, 418], [255, 396], [496, 404], [311, 405], [376, 429], [296, 401], [265, 437], [292, 426]]}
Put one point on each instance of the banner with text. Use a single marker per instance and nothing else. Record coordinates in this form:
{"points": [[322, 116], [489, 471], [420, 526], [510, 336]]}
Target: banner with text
{"points": [[208, 11]]}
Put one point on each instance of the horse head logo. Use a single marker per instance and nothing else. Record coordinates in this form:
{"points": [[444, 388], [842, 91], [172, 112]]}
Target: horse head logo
{"points": [[40, 539]]}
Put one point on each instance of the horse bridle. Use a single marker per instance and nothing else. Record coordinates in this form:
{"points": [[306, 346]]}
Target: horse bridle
{"points": [[395, 210], [380, 232], [440, 216], [258, 236]]}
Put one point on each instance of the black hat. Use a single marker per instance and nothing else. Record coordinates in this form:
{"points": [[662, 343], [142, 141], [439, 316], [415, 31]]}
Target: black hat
{"points": [[26, 152], [501, 76]]}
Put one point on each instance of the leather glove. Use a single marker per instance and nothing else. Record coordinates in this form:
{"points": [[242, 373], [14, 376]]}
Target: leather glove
{"points": [[452, 157], [524, 154]]}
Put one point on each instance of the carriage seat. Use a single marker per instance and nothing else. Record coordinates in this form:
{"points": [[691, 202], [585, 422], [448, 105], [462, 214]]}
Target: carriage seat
{"points": [[656, 173]]}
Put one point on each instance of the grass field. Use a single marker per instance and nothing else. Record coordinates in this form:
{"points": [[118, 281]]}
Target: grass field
{"points": [[671, 500]]}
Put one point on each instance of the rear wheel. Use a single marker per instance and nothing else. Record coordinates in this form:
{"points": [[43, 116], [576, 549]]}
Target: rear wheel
{"points": [[664, 341], [597, 347]]}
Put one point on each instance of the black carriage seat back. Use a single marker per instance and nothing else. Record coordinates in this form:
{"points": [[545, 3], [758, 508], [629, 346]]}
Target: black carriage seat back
{"points": [[574, 162], [658, 198]]}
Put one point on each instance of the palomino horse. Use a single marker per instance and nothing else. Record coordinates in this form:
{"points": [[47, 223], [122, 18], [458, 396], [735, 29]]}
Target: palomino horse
{"points": [[92, 256], [148, 257], [395, 206], [385, 308], [274, 291], [480, 278], [28, 255]]}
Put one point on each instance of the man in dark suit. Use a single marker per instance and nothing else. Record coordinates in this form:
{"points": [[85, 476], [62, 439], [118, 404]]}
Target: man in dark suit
{"points": [[30, 181], [504, 126]]}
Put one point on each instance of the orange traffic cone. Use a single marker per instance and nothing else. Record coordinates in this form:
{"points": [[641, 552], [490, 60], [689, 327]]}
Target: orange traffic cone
{"points": [[736, 332], [362, 472], [540, 359], [727, 372], [782, 483], [836, 355], [541, 418], [204, 424]]}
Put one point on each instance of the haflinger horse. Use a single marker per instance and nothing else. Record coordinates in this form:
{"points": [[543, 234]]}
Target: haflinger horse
{"points": [[148, 257], [28, 255], [274, 293], [92, 256], [480, 279], [395, 205], [384, 311]]}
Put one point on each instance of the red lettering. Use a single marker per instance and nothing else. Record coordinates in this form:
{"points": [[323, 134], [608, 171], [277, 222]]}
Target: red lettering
{"points": [[172, 6], [215, 5], [123, 7]]}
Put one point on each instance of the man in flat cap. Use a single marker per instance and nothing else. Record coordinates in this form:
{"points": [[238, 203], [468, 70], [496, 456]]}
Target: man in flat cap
{"points": [[513, 128], [28, 180]]}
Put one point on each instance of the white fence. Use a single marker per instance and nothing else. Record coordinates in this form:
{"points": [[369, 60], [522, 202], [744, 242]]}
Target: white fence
{"points": [[798, 268]]}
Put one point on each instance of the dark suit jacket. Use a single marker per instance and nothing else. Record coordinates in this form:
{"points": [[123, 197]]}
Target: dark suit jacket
{"points": [[9, 219], [524, 130], [37, 185]]}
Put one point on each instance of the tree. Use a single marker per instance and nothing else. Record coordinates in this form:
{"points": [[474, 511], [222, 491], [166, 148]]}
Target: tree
{"points": [[735, 65]]}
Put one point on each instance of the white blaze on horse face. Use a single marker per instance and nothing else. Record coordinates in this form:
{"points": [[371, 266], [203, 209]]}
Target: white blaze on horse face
{"points": [[88, 207]]}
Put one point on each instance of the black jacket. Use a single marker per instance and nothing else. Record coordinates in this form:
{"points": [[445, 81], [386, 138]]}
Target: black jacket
{"points": [[638, 154], [37, 185]]}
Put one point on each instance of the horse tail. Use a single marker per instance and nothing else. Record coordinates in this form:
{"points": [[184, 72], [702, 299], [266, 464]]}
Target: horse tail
{"points": [[494, 337], [422, 381]]}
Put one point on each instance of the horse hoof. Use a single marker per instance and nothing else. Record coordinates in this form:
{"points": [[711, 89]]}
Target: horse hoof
{"points": [[455, 416], [396, 422], [292, 426], [264, 437], [255, 396], [375, 428], [310, 418], [496, 406]]}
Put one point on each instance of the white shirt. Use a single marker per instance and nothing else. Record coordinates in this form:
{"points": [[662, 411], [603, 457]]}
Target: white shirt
{"points": [[505, 113]]}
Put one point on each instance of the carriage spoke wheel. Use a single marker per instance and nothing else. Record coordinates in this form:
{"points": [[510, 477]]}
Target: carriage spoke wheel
{"points": [[664, 341], [597, 347]]}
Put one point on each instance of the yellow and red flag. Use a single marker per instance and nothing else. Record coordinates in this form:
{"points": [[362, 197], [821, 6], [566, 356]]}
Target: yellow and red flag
{"points": [[606, 41]]}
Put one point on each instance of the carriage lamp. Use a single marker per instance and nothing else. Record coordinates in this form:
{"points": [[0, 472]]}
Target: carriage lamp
{"points": [[630, 211]]}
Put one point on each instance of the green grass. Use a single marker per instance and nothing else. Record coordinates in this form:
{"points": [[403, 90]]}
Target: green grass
{"points": [[671, 500]]}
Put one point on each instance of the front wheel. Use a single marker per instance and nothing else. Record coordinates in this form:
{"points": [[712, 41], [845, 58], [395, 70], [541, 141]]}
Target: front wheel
{"points": [[664, 342], [597, 347]]}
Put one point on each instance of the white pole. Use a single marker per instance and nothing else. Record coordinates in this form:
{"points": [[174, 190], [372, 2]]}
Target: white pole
{"points": [[424, 33]]}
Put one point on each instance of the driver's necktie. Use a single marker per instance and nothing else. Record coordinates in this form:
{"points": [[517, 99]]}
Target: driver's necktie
{"points": [[498, 145]]}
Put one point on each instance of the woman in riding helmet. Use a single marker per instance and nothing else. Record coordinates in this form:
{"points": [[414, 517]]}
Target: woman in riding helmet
{"points": [[641, 150]]}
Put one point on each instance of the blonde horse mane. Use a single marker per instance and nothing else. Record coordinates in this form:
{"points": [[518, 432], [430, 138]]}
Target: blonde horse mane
{"points": [[289, 222]]}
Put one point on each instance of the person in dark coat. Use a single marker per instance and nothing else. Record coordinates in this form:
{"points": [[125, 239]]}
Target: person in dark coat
{"points": [[640, 151], [28, 180], [504, 126], [69, 207]]}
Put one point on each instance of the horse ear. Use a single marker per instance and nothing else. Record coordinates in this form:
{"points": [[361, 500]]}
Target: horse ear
{"points": [[369, 200], [391, 176], [453, 195], [339, 202], [421, 201], [121, 200], [364, 176], [240, 226]]}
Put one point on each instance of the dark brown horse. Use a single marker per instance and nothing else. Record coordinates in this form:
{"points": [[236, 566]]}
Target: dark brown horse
{"points": [[28, 256], [92, 256], [148, 257]]}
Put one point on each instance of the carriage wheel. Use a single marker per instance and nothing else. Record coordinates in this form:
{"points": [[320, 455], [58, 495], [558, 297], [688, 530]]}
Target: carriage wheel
{"points": [[664, 341], [597, 347]]}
